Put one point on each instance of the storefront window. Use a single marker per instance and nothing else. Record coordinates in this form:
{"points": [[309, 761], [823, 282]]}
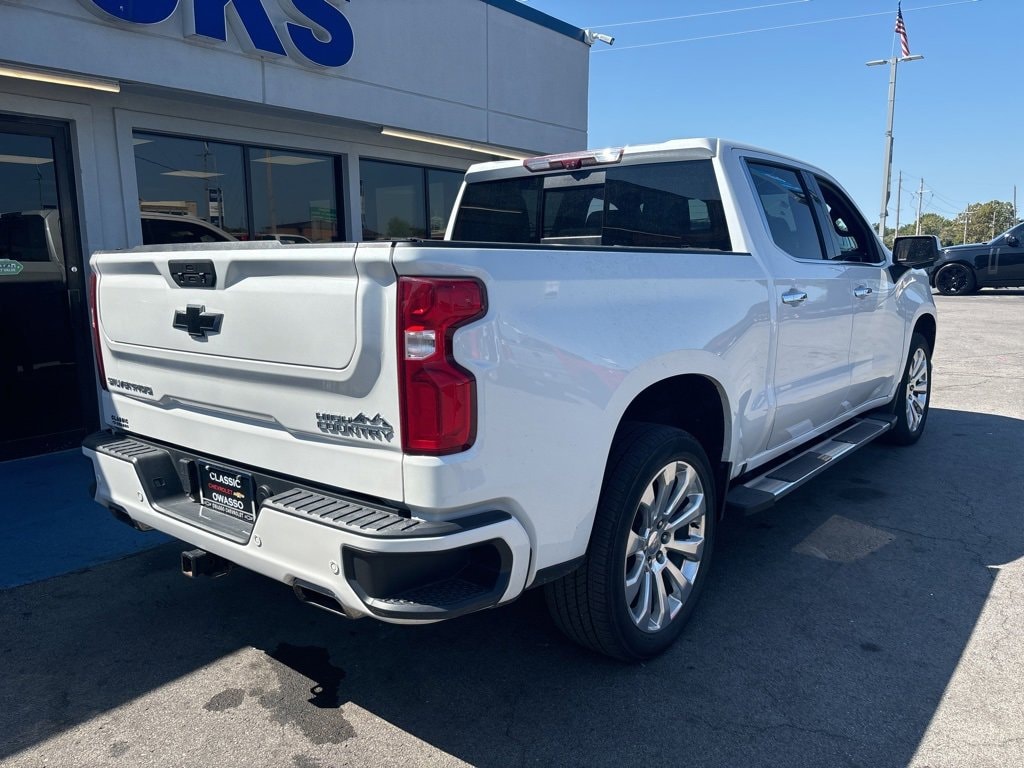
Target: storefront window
{"points": [[194, 190], [192, 177], [293, 196], [29, 182], [394, 203], [405, 200], [442, 188]]}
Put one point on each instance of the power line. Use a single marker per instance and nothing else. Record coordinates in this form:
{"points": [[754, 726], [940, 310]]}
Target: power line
{"points": [[697, 15], [776, 28], [949, 201]]}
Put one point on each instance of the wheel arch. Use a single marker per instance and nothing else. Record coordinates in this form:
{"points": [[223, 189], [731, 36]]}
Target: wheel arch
{"points": [[696, 404], [927, 327]]}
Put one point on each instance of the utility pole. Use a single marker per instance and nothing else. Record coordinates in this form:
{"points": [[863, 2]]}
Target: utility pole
{"points": [[967, 220], [993, 224], [1014, 203], [893, 63], [899, 204], [920, 198]]}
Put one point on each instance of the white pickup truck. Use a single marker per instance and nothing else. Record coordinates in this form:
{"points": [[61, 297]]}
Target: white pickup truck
{"points": [[609, 349]]}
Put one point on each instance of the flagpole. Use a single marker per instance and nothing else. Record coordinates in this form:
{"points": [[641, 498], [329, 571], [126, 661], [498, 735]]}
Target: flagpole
{"points": [[893, 63]]}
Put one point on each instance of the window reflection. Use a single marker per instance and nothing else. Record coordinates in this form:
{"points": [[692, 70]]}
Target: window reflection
{"points": [[401, 200], [787, 210], [293, 196], [26, 172], [28, 199], [192, 177], [393, 200], [442, 189], [222, 191]]}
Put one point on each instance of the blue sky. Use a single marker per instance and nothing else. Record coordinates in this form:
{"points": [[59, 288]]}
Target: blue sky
{"points": [[805, 90]]}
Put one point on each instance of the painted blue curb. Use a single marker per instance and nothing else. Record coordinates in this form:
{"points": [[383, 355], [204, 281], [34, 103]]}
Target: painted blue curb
{"points": [[50, 524]]}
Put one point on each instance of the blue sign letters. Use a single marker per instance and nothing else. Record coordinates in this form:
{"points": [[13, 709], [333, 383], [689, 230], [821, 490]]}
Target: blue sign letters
{"points": [[334, 52], [330, 45], [207, 20], [138, 11]]}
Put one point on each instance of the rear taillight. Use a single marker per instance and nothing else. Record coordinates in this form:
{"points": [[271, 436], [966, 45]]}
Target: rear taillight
{"points": [[94, 313], [438, 396]]}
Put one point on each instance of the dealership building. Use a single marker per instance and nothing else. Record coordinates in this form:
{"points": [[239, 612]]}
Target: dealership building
{"points": [[124, 122]]}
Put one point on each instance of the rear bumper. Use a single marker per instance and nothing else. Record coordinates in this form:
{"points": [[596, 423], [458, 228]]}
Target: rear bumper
{"points": [[372, 559]]}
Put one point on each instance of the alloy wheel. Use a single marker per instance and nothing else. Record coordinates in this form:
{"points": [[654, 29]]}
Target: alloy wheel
{"points": [[917, 389], [953, 279], [665, 546]]}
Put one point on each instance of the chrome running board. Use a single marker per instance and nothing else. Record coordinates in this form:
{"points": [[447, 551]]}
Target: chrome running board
{"points": [[763, 491]]}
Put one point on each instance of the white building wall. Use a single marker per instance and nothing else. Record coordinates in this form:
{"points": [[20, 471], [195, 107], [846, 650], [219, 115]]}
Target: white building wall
{"points": [[458, 68]]}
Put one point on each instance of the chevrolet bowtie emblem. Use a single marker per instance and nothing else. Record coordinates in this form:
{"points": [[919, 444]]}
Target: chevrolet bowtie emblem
{"points": [[197, 321]]}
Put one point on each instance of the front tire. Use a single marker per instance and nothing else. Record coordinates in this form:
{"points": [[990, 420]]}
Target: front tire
{"points": [[955, 280], [650, 548], [910, 407]]}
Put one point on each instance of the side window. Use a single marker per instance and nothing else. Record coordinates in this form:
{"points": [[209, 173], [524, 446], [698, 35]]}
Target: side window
{"points": [[786, 204], [1017, 232], [849, 231]]}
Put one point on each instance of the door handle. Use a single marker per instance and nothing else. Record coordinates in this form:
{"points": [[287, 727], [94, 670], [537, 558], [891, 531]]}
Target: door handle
{"points": [[861, 291], [792, 298]]}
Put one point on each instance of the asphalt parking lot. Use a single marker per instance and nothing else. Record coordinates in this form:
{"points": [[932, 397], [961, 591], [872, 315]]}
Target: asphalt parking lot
{"points": [[874, 618]]}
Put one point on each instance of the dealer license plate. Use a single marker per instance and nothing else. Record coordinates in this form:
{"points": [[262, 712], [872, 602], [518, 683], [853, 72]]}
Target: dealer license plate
{"points": [[227, 490]]}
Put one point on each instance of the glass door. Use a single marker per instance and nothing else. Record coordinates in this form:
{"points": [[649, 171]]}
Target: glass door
{"points": [[47, 392]]}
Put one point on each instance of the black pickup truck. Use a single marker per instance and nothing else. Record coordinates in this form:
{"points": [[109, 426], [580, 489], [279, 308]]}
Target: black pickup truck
{"points": [[999, 263]]}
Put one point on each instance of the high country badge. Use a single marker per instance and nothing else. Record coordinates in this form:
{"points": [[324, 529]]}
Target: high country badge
{"points": [[360, 426]]}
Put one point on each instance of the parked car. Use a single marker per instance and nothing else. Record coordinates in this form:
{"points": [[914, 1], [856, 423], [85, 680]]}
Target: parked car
{"points": [[609, 349], [999, 263], [171, 228]]}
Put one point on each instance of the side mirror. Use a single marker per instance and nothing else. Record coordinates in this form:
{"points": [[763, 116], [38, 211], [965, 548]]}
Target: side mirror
{"points": [[915, 251], [1013, 241]]}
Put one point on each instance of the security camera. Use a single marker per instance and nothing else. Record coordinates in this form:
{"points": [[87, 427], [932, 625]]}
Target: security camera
{"points": [[590, 37]]}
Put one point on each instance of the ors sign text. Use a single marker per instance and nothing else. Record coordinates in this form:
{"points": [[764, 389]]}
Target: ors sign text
{"points": [[318, 31]]}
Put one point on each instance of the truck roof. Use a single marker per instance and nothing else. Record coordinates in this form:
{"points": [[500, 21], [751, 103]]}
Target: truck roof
{"points": [[674, 149]]}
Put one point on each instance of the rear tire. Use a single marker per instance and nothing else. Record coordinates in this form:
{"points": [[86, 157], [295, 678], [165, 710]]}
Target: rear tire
{"points": [[955, 280], [910, 406], [650, 548]]}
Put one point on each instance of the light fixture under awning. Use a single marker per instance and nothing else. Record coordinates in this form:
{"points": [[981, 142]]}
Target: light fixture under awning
{"points": [[471, 146], [25, 160], [59, 78]]}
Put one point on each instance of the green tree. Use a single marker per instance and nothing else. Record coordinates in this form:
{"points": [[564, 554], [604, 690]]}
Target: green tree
{"points": [[931, 224], [983, 222]]}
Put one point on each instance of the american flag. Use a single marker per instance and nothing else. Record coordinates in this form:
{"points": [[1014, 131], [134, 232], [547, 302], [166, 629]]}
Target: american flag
{"points": [[901, 30]]}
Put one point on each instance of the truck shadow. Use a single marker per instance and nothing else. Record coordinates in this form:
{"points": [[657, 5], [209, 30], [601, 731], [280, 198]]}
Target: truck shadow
{"points": [[829, 633]]}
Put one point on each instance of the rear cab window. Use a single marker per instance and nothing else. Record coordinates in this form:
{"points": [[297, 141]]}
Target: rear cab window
{"points": [[645, 205]]}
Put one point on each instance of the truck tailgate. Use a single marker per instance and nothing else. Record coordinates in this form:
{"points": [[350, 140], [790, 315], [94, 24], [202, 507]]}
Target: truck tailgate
{"points": [[267, 353]]}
